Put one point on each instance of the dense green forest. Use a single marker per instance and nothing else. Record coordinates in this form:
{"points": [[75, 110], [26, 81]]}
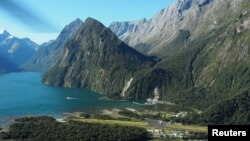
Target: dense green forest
{"points": [[47, 128], [201, 70], [235, 110]]}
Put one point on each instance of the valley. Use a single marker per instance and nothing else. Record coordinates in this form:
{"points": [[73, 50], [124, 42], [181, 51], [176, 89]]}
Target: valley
{"points": [[50, 101], [165, 78]]}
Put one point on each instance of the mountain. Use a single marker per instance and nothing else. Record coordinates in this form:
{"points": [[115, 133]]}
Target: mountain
{"points": [[203, 58], [195, 16], [215, 64], [49, 53], [15, 52], [96, 59], [229, 111], [204, 51], [202, 43], [7, 66]]}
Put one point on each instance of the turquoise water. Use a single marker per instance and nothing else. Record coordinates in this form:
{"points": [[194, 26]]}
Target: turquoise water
{"points": [[23, 94]]}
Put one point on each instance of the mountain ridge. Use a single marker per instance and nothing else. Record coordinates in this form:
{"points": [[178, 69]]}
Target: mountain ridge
{"points": [[204, 55], [96, 59], [15, 52], [192, 15], [203, 46], [50, 53]]}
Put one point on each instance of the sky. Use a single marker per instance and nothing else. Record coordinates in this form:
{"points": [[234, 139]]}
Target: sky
{"points": [[42, 20]]}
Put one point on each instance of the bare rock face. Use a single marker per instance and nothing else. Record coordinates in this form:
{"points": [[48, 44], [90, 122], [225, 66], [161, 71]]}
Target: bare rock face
{"points": [[49, 54], [204, 58], [246, 24], [14, 51], [96, 59], [197, 16]]}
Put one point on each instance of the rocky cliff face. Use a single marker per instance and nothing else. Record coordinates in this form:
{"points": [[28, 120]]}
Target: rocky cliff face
{"points": [[50, 53], [197, 16], [195, 61], [95, 58], [15, 52], [203, 47], [213, 66]]}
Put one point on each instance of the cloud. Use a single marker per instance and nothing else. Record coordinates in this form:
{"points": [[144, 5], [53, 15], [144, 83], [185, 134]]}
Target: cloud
{"points": [[26, 16]]}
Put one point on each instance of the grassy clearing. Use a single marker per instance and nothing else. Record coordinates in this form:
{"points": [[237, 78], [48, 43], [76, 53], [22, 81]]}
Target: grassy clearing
{"points": [[168, 139], [194, 128], [113, 122]]}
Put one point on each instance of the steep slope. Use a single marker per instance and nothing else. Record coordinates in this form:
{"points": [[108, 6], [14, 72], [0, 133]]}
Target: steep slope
{"points": [[234, 110], [230, 111], [196, 16], [15, 52], [95, 58], [7, 66], [50, 53], [205, 61], [215, 63], [199, 41], [204, 50]]}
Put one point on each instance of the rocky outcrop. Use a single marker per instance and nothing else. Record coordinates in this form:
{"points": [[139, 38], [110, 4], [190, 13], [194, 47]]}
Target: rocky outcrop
{"points": [[50, 52], [96, 59], [197, 16], [14, 52]]}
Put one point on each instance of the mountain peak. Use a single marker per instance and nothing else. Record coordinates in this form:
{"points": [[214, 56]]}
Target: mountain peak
{"points": [[93, 22], [91, 26], [93, 29], [50, 52], [4, 32], [1, 31], [4, 35], [77, 20], [90, 19], [95, 58], [71, 28]]}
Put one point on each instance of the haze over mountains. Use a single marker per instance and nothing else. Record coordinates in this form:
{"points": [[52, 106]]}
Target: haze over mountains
{"points": [[202, 50], [14, 52], [51, 52]]}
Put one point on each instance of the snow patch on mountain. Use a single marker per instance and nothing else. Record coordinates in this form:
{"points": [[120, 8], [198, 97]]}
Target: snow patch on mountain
{"points": [[14, 48], [10, 37], [2, 30]]}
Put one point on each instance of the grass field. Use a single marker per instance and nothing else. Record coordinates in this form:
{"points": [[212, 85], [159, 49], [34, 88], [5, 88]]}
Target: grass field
{"points": [[194, 128], [113, 122]]}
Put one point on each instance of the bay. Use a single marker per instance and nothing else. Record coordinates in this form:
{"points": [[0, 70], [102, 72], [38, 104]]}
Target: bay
{"points": [[23, 94]]}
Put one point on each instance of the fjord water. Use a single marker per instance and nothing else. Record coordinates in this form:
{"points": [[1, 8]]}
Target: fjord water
{"points": [[23, 94]]}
